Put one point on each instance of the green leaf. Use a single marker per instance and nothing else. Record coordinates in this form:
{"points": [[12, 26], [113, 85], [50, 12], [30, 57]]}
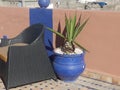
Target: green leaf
{"points": [[59, 34], [78, 23], [72, 30], [66, 25], [68, 29], [79, 29], [80, 46]]}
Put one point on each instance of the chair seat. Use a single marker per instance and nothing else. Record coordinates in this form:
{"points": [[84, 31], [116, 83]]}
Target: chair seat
{"points": [[4, 51]]}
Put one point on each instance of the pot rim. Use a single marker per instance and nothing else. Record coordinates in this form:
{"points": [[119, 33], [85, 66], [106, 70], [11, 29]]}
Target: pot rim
{"points": [[69, 55], [57, 53]]}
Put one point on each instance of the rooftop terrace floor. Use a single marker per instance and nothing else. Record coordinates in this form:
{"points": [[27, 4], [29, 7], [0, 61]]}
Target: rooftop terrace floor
{"points": [[82, 83]]}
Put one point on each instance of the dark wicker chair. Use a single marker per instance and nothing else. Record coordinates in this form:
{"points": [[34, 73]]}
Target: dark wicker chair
{"points": [[28, 62]]}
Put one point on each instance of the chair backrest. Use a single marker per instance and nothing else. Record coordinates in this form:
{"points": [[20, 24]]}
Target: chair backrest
{"points": [[29, 35]]}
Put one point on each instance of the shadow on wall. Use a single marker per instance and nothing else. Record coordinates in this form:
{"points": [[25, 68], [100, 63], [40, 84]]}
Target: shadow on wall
{"points": [[58, 38], [58, 41]]}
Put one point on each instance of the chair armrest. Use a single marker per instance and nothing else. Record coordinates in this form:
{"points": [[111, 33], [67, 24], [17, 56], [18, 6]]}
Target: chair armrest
{"points": [[4, 42]]}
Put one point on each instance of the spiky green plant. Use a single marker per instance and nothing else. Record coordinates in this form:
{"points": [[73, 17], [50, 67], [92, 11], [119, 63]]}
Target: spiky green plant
{"points": [[73, 29]]}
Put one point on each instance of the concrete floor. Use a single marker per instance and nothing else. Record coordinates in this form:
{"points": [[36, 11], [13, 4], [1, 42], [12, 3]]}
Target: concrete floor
{"points": [[82, 83]]}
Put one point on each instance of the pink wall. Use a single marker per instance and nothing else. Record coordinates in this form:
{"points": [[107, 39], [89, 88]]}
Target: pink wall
{"points": [[100, 36], [13, 20]]}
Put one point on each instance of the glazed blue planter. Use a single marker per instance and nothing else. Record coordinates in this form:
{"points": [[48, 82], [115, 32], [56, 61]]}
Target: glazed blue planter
{"points": [[43, 3], [69, 67]]}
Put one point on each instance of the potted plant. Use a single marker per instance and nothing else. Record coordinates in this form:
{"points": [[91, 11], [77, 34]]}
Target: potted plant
{"points": [[69, 62]]}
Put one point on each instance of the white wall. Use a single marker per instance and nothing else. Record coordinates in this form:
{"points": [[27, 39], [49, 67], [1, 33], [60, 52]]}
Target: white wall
{"points": [[84, 1]]}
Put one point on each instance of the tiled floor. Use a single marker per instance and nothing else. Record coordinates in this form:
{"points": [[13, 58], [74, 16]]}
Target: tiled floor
{"points": [[82, 83]]}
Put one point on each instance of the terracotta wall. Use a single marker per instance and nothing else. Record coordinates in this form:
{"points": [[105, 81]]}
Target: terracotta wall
{"points": [[13, 21], [101, 37]]}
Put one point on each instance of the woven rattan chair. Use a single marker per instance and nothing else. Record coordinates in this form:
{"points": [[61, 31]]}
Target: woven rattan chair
{"points": [[24, 59]]}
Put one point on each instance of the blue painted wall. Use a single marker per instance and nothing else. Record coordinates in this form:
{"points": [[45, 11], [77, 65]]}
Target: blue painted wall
{"points": [[43, 16]]}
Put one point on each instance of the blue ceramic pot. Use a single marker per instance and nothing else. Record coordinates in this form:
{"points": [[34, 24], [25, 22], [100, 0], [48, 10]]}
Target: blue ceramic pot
{"points": [[69, 67], [43, 3]]}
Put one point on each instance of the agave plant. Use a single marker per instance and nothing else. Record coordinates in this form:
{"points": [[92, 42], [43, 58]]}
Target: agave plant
{"points": [[73, 29]]}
